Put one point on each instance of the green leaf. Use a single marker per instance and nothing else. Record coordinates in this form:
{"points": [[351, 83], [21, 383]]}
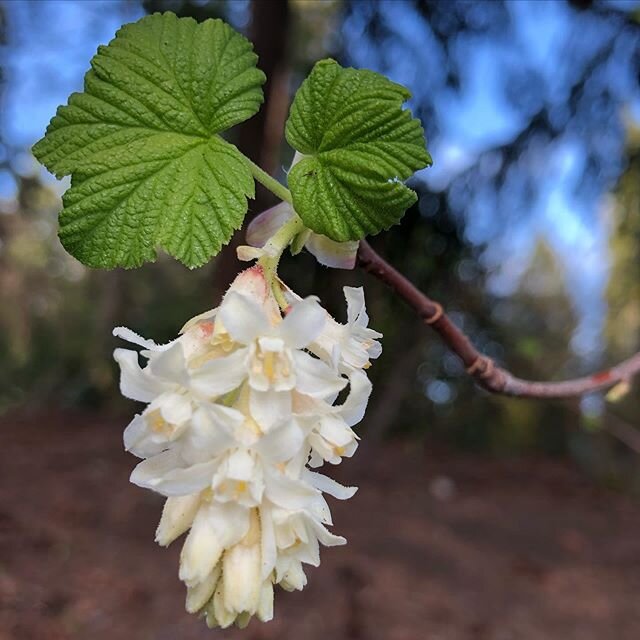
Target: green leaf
{"points": [[141, 142], [358, 147]]}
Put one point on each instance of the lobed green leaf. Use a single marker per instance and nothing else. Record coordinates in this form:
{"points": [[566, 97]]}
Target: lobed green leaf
{"points": [[141, 142], [358, 146]]}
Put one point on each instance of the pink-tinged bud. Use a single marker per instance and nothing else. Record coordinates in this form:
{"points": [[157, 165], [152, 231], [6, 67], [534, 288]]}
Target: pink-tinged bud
{"points": [[338, 255], [266, 224], [252, 283]]}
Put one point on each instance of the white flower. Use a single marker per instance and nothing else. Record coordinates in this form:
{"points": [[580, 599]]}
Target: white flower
{"points": [[331, 437], [273, 356], [339, 255], [349, 346], [237, 408]]}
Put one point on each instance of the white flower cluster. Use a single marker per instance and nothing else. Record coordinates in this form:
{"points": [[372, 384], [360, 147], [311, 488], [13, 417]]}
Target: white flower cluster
{"points": [[239, 407]]}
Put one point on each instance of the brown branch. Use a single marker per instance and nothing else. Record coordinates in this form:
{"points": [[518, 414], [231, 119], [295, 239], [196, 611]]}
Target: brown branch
{"points": [[482, 368]]}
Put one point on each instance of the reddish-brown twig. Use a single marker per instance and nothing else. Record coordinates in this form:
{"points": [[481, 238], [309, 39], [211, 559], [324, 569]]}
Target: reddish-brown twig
{"points": [[482, 368]]}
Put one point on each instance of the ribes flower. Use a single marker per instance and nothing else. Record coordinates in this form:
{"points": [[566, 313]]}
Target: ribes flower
{"points": [[339, 255], [238, 407]]}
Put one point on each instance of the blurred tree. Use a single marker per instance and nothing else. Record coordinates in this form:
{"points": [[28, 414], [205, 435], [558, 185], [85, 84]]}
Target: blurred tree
{"points": [[623, 327]]}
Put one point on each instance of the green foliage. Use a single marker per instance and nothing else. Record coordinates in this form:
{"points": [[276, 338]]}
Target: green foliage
{"points": [[141, 142], [358, 146], [149, 169]]}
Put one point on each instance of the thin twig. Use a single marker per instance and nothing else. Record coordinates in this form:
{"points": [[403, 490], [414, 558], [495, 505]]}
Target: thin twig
{"points": [[482, 368]]}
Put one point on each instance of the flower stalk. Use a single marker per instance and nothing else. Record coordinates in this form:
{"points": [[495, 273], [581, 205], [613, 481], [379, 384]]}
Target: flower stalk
{"points": [[272, 252]]}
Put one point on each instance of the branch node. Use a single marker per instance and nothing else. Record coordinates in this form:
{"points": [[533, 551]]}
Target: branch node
{"points": [[482, 367], [437, 314]]}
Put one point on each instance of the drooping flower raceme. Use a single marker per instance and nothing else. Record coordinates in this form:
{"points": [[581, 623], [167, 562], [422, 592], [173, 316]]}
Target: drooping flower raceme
{"points": [[238, 408]]}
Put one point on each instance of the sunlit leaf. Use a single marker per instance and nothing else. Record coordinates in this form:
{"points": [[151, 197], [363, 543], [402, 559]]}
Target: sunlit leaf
{"points": [[141, 142], [358, 147]]}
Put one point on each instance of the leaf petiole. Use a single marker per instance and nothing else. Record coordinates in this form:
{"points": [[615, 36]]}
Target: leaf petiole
{"points": [[268, 182]]}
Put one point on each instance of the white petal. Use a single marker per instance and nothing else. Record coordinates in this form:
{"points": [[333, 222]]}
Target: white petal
{"points": [[230, 520], [321, 511], [247, 254], [352, 411], [241, 578], [142, 441], [175, 408], [338, 255], [375, 349], [289, 493], [136, 383], [309, 407], [322, 451], [226, 418], [211, 432], [356, 311], [258, 380], [134, 436], [147, 473], [221, 375], [353, 354], [334, 430], [134, 338], [314, 377], [303, 324], [294, 578], [284, 563], [163, 474], [201, 551], [177, 517], [309, 551], [282, 443], [335, 355], [269, 343], [171, 365], [296, 465], [327, 485], [270, 408], [189, 480], [317, 460], [349, 449], [265, 606], [268, 541], [327, 538], [243, 318], [222, 616], [215, 528], [200, 594], [241, 465], [265, 225]]}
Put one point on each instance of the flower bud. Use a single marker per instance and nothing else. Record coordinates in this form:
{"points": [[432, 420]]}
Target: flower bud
{"points": [[177, 516], [200, 594], [201, 551], [241, 571]]}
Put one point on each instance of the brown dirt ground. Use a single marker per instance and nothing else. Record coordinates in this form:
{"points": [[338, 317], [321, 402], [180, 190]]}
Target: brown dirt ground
{"points": [[521, 549]]}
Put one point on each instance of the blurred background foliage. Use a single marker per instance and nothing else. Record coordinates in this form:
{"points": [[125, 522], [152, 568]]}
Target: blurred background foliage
{"points": [[527, 227]]}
